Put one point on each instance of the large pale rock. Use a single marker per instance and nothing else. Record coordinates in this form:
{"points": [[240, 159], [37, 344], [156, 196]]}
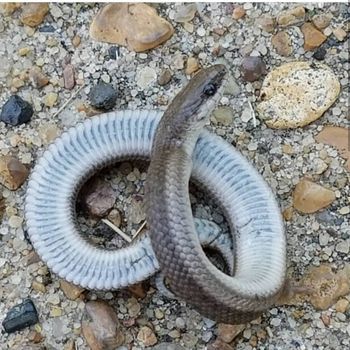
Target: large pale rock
{"points": [[337, 137], [309, 197], [136, 26], [297, 93]]}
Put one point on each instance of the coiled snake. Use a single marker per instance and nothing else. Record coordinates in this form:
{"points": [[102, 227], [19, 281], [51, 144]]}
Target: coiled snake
{"points": [[181, 149]]}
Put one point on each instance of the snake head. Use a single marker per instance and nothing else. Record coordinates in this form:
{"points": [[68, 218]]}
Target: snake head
{"points": [[191, 108]]}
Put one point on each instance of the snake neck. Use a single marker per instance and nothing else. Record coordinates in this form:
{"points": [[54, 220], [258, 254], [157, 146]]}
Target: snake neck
{"points": [[175, 139]]}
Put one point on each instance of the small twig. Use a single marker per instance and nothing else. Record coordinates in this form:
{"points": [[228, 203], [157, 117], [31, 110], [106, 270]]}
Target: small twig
{"points": [[139, 230], [67, 102], [253, 113], [117, 230]]}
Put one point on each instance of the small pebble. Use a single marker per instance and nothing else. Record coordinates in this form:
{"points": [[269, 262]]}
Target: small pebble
{"points": [[164, 77], [20, 317], [50, 99], [320, 54], [16, 111], [103, 96], [252, 68], [69, 77], [238, 13]]}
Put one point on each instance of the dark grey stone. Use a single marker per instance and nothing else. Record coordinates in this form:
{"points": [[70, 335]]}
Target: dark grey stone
{"points": [[16, 111], [320, 54], [103, 96], [20, 316]]}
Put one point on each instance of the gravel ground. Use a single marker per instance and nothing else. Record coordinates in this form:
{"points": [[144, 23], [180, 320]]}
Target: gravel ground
{"points": [[312, 239]]}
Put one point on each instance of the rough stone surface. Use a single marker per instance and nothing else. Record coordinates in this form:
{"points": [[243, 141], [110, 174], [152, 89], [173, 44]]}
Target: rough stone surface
{"points": [[337, 137], [16, 111], [12, 172], [164, 77], [103, 96], [70, 290], [309, 197], [219, 345], [297, 93], [228, 332], [321, 286], [185, 13], [147, 336], [252, 68], [322, 20], [8, 8], [282, 43], [100, 326], [98, 198], [320, 54], [339, 33], [69, 76], [238, 13], [136, 26], [38, 78], [192, 65], [267, 23], [34, 13], [313, 38], [291, 16]]}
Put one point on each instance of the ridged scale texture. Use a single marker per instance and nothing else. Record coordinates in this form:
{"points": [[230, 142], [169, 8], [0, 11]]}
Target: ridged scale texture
{"points": [[252, 212], [51, 198]]}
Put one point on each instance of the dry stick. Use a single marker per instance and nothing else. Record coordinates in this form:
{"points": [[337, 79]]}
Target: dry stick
{"points": [[67, 102], [139, 230], [117, 230], [253, 113]]}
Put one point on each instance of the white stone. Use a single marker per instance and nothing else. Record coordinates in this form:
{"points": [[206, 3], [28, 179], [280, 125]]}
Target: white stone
{"points": [[297, 93], [146, 77], [343, 247]]}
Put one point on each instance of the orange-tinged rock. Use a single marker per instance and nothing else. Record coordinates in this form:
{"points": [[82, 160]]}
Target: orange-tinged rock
{"points": [[34, 13], [313, 38], [147, 336], [309, 197], [291, 16], [320, 286], [238, 12], [100, 326], [8, 8], [337, 137], [136, 26], [12, 172], [228, 332], [282, 43], [192, 65]]}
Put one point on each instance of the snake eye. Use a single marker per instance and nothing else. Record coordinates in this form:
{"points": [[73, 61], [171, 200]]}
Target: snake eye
{"points": [[210, 89]]}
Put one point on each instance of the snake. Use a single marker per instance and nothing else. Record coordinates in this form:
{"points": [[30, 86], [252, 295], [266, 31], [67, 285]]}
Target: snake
{"points": [[257, 261], [259, 274]]}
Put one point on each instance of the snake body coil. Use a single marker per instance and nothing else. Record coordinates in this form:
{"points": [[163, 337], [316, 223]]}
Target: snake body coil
{"points": [[244, 197], [260, 256]]}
